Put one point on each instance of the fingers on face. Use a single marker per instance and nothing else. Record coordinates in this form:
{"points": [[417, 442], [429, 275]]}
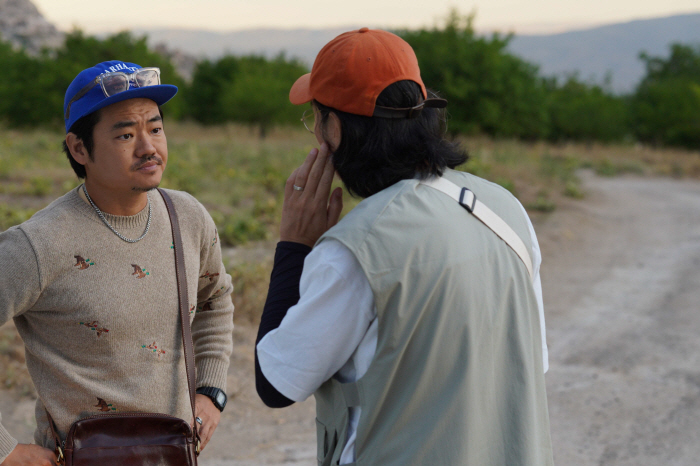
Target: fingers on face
{"points": [[324, 185], [317, 170], [302, 173]]}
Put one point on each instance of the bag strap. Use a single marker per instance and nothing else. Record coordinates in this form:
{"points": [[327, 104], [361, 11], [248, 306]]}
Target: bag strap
{"points": [[184, 317], [56, 439], [184, 305], [488, 217]]}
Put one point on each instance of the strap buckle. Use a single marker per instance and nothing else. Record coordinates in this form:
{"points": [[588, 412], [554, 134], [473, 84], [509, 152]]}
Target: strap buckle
{"points": [[59, 455], [467, 199]]}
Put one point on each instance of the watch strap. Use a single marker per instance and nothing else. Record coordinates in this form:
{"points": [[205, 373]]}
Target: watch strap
{"points": [[213, 393]]}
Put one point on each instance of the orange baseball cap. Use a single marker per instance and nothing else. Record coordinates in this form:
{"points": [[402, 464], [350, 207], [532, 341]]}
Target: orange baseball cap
{"points": [[352, 70]]}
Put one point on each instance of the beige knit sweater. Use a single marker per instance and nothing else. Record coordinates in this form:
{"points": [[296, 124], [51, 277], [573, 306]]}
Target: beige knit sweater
{"points": [[99, 316]]}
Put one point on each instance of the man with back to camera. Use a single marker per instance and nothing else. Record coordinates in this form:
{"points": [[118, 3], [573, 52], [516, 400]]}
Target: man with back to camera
{"points": [[90, 279], [416, 321]]}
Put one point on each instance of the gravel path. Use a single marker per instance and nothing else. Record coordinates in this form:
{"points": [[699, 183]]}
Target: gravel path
{"points": [[622, 293]]}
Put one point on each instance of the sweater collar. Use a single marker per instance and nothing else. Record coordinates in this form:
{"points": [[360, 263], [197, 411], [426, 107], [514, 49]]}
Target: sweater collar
{"points": [[119, 222]]}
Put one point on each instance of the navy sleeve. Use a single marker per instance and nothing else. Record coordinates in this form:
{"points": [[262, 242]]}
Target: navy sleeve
{"points": [[282, 294]]}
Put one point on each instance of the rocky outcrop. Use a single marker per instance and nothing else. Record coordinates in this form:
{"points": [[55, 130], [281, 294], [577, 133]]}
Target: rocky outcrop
{"points": [[23, 26], [184, 64]]}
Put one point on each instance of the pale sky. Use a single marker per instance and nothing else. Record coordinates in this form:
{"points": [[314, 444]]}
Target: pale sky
{"points": [[533, 16]]}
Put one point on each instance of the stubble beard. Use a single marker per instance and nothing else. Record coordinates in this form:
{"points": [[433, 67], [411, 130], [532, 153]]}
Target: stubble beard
{"points": [[144, 190]]}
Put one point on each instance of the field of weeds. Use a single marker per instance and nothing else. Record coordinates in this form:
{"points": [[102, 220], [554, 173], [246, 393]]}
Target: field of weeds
{"points": [[240, 179]]}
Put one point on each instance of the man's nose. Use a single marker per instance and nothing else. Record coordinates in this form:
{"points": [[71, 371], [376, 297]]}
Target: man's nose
{"points": [[145, 146]]}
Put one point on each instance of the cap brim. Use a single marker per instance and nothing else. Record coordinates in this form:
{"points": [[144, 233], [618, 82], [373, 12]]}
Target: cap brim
{"points": [[160, 94], [301, 91]]}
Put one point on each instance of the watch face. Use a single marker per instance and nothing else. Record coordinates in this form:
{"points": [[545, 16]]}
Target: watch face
{"points": [[221, 398]]}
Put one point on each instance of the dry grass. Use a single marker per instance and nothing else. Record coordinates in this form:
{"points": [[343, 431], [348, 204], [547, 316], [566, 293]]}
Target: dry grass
{"points": [[539, 174], [14, 375], [240, 179]]}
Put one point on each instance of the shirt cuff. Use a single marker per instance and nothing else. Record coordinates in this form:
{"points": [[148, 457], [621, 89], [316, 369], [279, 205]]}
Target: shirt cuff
{"points": [[287, 389], [7, 443]]}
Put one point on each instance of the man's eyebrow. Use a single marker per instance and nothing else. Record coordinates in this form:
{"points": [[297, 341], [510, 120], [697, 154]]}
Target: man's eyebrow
{"points": [[123, 124], [129, 123]]}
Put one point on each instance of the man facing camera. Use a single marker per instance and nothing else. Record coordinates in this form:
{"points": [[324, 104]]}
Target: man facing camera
{"points": [[90, 280]]}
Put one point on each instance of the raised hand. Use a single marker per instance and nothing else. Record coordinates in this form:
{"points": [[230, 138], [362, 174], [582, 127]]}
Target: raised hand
{"points": [[307, 212]]}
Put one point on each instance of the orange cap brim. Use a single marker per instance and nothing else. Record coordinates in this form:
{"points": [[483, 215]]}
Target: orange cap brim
{"points": [[301, 91]]}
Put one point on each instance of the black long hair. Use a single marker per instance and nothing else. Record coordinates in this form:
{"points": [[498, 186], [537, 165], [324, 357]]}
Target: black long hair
{"points": [[374, 153]]}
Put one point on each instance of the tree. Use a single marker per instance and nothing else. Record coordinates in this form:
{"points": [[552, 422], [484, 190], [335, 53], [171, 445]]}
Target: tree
{"points": [[580, 111], [33, 88], [26, 88], [209, 80], [251, 90], [666, 104], [489, 90]]}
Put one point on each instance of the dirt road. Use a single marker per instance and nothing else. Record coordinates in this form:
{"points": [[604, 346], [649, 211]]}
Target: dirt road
{"points": [[622, 295], [622, 290]]}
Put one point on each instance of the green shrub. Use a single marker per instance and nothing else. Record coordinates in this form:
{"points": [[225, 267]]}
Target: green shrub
{"points": [[542, 204], [40, 186], [235, 231], [11, 216], [573, 189]]}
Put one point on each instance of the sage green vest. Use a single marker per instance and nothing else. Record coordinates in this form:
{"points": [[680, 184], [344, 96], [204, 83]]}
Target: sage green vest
{"points": [[457, 378]]}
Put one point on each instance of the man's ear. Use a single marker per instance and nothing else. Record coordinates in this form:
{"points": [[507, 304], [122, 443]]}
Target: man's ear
{"points": [[333, 131], [77, 149]]}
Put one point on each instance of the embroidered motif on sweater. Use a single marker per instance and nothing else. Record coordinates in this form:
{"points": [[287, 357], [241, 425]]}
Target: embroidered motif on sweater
{"points": [[192, 309], [205, 307], [102, 405], [81, 263], [154, 349], [139, 271], [172, 245], [216, 237], [95, 326], [218, 292], [210, 276]]}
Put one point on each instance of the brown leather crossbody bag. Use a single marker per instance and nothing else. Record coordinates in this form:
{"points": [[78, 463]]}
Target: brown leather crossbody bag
{"points": [[151, 439]]}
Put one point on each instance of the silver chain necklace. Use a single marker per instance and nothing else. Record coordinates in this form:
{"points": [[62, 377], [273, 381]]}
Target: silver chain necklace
{"points": [[101, 215]]}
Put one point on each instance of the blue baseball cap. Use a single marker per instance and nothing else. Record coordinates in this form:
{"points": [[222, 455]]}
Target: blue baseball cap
{"points": [[95, 98]]}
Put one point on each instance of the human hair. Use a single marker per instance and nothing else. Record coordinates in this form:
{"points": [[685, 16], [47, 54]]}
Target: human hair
{"points": [[374, 153], [84, 128]]}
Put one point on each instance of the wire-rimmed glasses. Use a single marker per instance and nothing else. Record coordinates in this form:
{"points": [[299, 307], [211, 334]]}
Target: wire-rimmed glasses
{"points": [[118, 81], [309, 118]]}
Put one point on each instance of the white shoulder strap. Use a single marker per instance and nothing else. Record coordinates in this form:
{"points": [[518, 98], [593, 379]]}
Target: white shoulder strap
{"points": [[478, 209]]}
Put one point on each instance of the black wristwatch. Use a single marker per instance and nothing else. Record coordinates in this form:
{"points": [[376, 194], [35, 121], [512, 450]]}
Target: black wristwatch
{"points": [[217, 396]]}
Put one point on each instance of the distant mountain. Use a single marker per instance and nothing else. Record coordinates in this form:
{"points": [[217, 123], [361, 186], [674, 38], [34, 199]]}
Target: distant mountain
{"points": [[610, 49], [23, 26], [303, 44], [593, 53]]}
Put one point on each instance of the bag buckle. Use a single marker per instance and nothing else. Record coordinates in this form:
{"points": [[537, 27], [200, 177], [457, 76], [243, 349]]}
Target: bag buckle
{"points": [[467, 199], [59, 457]]}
